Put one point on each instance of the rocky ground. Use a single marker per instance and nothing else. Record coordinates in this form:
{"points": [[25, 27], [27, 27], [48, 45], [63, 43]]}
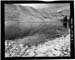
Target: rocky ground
{"points": [[59, 47]]}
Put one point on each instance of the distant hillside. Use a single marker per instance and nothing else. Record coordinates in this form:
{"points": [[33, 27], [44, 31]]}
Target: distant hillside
{"points": [[23, 21], [52, 10]]}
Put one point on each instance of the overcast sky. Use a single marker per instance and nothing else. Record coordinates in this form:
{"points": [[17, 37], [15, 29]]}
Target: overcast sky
{"points": [[35, 5]]}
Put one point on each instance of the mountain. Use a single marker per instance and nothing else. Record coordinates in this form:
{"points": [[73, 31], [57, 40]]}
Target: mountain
{"points": [[27, 21], [52, 10]]}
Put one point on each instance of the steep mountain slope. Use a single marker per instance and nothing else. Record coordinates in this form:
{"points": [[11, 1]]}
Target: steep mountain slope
{"points": [[21, 22], [19, 19], [52, 10]]}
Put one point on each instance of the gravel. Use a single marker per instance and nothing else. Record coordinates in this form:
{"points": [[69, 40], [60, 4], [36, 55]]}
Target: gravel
{"points": [[59, 47]]}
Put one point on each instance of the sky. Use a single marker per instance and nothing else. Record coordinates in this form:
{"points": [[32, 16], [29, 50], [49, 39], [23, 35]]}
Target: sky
{"points": [[35, 5]]}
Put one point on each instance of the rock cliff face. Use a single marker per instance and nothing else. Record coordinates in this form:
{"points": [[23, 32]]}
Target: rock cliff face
{"points": [[27, 21]]}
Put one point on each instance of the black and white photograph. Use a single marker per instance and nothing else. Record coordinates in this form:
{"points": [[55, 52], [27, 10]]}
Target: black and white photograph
{"points": [[48, 59], [37, 0], [37, 30]]}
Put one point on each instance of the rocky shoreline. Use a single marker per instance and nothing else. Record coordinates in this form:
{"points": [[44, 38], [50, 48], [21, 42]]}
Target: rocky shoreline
{"points": [[59, 47]]}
